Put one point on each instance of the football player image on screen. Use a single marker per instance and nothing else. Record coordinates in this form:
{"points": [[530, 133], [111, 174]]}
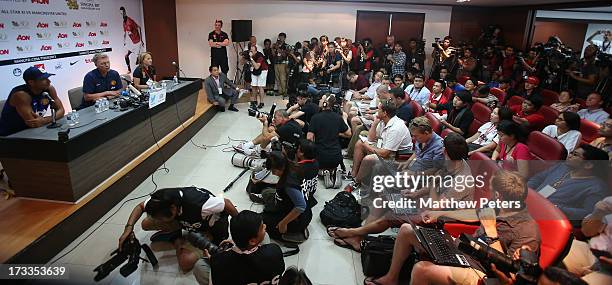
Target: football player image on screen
{"points": [[133, 30]]}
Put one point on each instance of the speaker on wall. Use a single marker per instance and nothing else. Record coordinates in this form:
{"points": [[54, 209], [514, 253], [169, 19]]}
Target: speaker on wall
{"points": [[241, 30]]}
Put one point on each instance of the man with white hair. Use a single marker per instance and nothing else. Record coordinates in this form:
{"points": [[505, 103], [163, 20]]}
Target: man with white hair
{"points": [[102, 82]]}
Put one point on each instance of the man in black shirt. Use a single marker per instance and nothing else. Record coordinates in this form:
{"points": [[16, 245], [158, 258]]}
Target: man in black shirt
{"points": [[303, 110], [325, 129], [404, 111], [193, 209], [218, 40], [331, 66], [250, 261], [287, 130]]}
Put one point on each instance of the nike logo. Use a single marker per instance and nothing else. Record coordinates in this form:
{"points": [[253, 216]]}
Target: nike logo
{"points": [[73, 63]]}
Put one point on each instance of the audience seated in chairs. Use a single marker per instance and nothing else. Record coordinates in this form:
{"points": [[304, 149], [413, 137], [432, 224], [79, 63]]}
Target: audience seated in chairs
{"points": [[528, 113], [437, 98], [485, 140], [566, 102], [565, 130], [387, 137], [605, 141], [575, 185], [417, 91], [460, 116], [484, 96], [516, 230], [455, 165], [511, 151], [404, 109], [594, 111]]}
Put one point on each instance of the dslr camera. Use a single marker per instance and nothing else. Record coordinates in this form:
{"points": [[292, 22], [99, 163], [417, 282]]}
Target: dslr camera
{"points": [[253, 112], [526, 268], [130, 251], [200, 241]]}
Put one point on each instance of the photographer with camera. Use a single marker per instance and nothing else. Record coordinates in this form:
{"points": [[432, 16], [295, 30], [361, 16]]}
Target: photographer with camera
{"points": [[332, 62], [415, 55], [193, 209], [303, 110], [259, 74], [294, 193], [443, 54], [325, 129], [281, 63], [604, 45], [284, 128], [255, 263], [508, 232], [529, 64], [385, 50], [586, 77], [397, 60]]}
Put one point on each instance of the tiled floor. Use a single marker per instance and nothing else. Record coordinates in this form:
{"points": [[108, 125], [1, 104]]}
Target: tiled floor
{"points": [[323, 262]]}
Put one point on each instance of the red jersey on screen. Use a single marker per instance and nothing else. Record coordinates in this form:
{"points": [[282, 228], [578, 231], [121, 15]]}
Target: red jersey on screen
{"points": [[131, 28]]}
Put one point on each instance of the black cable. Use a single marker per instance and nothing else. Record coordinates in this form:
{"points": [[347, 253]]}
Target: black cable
{"points": [[158, 147]]}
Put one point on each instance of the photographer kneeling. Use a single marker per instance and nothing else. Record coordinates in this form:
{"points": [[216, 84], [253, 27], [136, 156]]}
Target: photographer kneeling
{"points": [[512, 229], [284, 128], [294, 193], [255, 263], [325, 129], [170, 210], [303, 110]]}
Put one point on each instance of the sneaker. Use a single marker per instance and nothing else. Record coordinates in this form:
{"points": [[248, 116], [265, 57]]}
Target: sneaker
{"points": [[336, 178], [256, 198], [347, 176], [232, 108], [327, 181], [166, 236]]}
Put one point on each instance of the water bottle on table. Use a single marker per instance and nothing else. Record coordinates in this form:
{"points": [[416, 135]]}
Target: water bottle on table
{"points": [[98, 106]]}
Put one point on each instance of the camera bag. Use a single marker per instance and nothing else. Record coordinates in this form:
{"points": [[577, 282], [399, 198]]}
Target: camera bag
{"points": [[376, 254], [342, 211]]}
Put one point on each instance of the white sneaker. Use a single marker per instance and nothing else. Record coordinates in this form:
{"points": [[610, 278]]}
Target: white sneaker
{"points": [[239, 148]]}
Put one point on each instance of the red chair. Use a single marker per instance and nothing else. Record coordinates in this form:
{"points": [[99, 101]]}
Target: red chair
{"points": [[550, 115], [481, 164], [549, 97], [430, 83], [582, 102], [482, 114], [514, 101], [555, 229], [417, 110], [436, 126], [589, 131], [445, 132], [500, 94], [543, 147]]}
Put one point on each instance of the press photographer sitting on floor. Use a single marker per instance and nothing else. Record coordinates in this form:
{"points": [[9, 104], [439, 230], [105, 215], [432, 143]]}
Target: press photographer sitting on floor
{"points": [[294, 193], [284, 128], [303, 110], [256, 263], [171, 209], [511, 229]]}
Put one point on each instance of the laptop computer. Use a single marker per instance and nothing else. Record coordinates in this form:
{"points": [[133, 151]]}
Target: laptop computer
{"points": [[440, 246]]}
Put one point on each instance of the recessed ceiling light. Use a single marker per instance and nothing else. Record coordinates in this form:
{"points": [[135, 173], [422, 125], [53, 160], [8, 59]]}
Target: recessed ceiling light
{"points": [[462, 1]]}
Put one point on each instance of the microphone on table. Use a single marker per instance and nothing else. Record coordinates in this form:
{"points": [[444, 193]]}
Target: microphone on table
{"points": [[178, 70], [54, 124]]}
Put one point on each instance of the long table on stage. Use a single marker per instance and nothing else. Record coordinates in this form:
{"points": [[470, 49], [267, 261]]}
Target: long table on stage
{"points": [[40, 166]]}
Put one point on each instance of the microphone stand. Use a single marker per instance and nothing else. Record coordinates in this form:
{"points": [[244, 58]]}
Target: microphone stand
{"points": [[54, 124]]}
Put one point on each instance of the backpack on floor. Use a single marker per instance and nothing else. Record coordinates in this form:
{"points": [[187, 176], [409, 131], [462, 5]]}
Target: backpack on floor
{"points": [[376, 254], [342, 211]]}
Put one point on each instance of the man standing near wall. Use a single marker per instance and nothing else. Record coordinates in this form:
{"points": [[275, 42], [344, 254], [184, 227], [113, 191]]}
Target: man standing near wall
{"points": [[218, 40], [281, 62]]}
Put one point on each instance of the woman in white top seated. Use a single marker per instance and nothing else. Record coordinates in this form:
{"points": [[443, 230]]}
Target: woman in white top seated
{"points": [[566, 130], [485, 139]]}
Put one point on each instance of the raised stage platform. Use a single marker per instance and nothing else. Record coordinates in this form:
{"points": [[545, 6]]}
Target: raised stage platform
{"points": [[33, 231]]}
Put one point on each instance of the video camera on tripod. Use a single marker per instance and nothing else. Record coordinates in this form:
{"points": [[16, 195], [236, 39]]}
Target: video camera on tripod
{"points": [[526, 268], [130, 251]]}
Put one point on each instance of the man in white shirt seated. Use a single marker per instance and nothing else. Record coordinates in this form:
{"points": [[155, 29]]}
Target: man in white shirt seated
{"points": [[368, 110], [593, 111], [371, 91], [387, 136], [417, 91]]}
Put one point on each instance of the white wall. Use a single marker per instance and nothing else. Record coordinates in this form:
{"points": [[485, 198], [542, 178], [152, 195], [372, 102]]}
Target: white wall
{"points": [[301, 20]]}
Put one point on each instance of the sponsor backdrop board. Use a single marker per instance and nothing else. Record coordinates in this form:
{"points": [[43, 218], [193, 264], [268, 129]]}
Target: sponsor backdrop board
{"points": [[61, 36]]}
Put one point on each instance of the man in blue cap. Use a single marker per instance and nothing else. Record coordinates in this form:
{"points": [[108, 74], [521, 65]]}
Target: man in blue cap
{"points": [[27, 104], [101, 82]]}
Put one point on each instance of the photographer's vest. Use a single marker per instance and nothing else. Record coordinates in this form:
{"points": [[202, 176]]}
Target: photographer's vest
{"points": [[192, 201]]}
